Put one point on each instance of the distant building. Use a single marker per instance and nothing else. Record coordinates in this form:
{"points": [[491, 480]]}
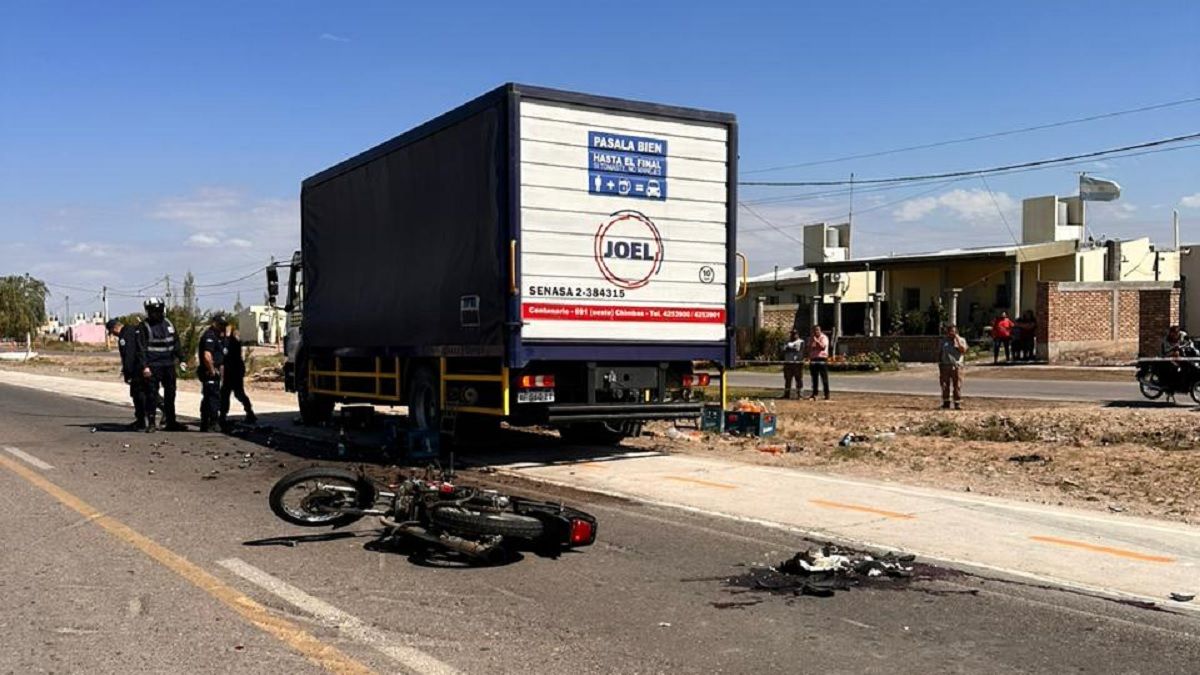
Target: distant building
{"points": [[262, 324]]}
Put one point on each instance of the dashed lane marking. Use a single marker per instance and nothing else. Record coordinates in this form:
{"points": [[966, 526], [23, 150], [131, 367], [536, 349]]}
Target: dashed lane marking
{"points": [[349, 625], [700, 481], [1120, 552], [28, 458], [326, 656], [862, 509]]}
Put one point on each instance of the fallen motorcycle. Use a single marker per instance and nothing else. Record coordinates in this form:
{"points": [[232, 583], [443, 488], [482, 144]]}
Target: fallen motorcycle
{"points": [[431, 511]]}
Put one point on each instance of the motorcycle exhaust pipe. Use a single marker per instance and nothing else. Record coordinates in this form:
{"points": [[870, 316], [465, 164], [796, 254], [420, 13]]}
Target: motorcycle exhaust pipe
{"points": [[467, 547]]}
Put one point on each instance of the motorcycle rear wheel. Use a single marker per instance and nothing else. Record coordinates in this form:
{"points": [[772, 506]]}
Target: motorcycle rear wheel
{"points": [[471, 523], [303, 497]]}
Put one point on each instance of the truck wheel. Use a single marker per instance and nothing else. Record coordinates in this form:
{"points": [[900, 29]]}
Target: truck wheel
{"points": [[424, 405], [599, 433]]}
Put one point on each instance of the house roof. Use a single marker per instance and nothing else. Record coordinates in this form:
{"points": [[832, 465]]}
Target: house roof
{"points": [[798, 273], [1020, 252]]}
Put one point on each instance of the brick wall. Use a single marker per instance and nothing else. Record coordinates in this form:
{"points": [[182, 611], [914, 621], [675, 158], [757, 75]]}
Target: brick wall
{"points": [[913, 348], [781, 317], [1103, 320], [1160, 312]]}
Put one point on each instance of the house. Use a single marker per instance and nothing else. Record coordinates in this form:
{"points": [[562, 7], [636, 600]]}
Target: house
{"points": [[783, 299], [262, 325], [913, 294]]}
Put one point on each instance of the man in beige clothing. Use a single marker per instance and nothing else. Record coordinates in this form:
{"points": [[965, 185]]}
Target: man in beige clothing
{"points": [[952, 349]]}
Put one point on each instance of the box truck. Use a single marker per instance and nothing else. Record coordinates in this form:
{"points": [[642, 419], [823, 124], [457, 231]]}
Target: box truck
{"points": [[537, 256]]}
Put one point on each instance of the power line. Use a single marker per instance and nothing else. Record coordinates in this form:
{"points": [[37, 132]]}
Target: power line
{"points": [[975, 172], [980, 137]]}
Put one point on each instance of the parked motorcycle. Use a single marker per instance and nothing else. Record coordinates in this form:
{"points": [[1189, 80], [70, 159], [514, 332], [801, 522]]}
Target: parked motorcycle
{"points": [[431, 511], [1171, 376]]}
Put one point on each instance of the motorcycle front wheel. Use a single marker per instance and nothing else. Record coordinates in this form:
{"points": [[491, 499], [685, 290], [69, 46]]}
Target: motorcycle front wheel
{"points": [[318, 496], [1151, 386]]}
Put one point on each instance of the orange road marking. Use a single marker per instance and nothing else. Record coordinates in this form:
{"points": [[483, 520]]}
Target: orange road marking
{"points": [[1104, 549], [590, 465], [705, 483], [862, 509], [326, 656]]}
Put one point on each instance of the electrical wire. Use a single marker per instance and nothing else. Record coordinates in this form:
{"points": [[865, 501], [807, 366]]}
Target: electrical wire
{"points": [[980, 137], [973, 172]]}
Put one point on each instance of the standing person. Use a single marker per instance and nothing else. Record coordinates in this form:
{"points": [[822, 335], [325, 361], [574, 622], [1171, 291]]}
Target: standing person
{"points": [[131, 369], [793, 365], [818, 361], [160, 352], [1027, 330], [1002, 335], [233, 381], [211, 355], [952, 349]]}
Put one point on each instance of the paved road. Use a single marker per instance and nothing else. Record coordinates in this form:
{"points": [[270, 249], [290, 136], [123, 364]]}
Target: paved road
{"points": [[923, 381], [130, 554]]}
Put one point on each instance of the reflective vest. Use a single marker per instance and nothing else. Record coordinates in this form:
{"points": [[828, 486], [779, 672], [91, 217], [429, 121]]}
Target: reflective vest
{"points": [[160, 343]]}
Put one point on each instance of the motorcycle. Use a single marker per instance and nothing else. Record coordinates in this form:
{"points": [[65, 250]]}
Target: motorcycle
{"points": [[431, 511], [1171, 376]]}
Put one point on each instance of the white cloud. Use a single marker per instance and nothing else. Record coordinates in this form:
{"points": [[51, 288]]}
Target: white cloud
{"points": [[240, 243], [202, 240], [88, 248], [973, 206], [1191, 201], [330, 37]]}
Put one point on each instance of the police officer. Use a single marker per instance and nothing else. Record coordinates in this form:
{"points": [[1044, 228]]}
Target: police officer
{"points": [[160, 352], [233, 379], [131, 369], [208, 371]]}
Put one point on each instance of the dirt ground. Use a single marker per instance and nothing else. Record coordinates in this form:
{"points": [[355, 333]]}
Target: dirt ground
{"points": [[1140, 460], [1143, 459]]}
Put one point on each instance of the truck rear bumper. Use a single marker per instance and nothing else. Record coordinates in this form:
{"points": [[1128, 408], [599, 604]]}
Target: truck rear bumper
{"points": [[604, 412]]}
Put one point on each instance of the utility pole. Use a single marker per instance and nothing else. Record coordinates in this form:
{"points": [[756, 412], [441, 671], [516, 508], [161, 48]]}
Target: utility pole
{"points": [[104, 299], [70, 323], [168, 296]]}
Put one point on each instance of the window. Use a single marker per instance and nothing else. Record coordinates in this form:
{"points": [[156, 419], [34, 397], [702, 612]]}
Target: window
{"points": [[1003, 297], [912, 299]]}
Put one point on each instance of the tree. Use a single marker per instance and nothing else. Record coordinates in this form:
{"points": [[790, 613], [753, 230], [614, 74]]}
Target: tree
{"points": [[237, 304], [22, 305], [189, 294]]}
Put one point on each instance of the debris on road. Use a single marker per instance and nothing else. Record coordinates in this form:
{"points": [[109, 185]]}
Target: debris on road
{"points": [[825, 570], [1033, 458], [1183, 597]]}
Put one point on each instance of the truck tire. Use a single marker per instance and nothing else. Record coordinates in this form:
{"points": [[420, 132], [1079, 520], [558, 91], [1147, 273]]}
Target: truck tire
{"points": [[470, 523], [424, 402], [315, 409], [599, 433]]}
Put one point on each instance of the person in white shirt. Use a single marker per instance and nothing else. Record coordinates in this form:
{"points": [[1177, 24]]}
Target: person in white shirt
{"points": [[793, 365]]}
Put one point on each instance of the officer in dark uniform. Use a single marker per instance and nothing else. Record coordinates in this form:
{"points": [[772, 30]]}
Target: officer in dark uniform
{"points": [[233, 379], [131, 369], [208, 371], [160, 352]]}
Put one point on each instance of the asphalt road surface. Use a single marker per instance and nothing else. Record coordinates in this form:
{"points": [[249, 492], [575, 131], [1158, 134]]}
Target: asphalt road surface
{"points": [[131, 552], [924, 382]]}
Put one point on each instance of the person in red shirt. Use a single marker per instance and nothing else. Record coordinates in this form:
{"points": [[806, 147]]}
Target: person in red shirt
{"points": [[818, 358], [1002, 335]]}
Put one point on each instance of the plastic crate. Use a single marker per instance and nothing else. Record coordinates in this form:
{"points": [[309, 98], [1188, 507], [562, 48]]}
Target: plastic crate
{"points": [[712, 418], [752, 423]]}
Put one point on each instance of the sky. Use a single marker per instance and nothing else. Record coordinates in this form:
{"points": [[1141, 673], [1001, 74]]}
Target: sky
{"points": [[139, 140]]}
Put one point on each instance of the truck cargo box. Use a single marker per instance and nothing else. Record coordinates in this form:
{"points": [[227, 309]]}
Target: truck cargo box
{"points": [[531, 224]]}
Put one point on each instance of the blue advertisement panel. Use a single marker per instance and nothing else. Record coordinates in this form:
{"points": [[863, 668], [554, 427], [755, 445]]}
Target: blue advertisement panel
{"points": [[627, 166]]}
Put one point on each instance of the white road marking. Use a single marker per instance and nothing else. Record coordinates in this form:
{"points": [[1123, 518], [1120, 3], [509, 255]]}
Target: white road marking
{"points": [[351, 626], [27, 458]]}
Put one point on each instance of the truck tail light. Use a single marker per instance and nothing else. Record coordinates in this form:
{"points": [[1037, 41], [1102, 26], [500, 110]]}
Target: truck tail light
{"points": [[700, 380], [536, 381], [582, 532]]}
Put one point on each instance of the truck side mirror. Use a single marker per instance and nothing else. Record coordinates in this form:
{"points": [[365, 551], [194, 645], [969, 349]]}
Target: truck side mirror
{"points": [[272, 284]]}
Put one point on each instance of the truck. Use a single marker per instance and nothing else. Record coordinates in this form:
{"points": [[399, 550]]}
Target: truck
{"points": [[536, 256]]}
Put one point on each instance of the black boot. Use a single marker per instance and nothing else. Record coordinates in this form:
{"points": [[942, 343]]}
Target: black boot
{"points": [[251, 418]]}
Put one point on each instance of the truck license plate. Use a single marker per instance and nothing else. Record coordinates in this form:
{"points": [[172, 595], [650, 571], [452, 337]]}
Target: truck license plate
{"points": [[536, 396]]}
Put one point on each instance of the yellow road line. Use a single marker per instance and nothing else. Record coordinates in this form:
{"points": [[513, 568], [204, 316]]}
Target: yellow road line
{"points": [[591, 465], [705, 483], [1104, 549], [326, 656], [862, 509]]}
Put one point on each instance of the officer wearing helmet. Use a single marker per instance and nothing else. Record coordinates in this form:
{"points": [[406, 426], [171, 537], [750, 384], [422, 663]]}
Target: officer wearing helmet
{"points": [[208, 369], [131, 368], [160, 352]]}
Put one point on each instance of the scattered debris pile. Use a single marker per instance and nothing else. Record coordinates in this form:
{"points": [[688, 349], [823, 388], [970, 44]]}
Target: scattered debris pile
{"points": [[823, 571]]}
